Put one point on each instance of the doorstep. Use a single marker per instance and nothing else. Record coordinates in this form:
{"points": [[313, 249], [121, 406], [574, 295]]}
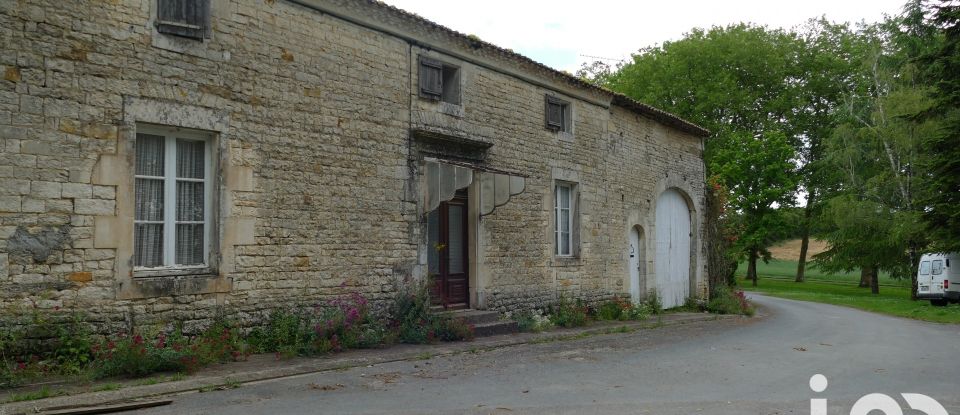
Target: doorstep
{"points": [[485, 323]]}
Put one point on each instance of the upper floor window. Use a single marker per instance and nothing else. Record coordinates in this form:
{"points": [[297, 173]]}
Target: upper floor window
{"points": [[172, 201], [558, 114], [187, 18], [439, 81]]}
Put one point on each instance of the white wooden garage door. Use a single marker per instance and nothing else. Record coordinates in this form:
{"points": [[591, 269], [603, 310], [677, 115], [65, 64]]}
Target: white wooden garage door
{"points": [[673, 248]]}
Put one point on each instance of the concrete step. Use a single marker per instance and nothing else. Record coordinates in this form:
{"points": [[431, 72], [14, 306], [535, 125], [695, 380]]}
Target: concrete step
{"points": [[493, 329], [485, 323], [475, 317]]}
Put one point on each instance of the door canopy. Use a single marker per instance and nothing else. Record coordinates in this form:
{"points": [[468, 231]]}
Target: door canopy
{"points": [[442, 178]]}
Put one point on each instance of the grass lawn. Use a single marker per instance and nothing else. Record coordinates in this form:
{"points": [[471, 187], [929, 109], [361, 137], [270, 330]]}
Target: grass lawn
{"points": [[776, 279]]}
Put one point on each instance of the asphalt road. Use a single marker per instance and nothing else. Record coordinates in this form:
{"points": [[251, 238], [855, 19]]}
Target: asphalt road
{"points": [[762, 366]]}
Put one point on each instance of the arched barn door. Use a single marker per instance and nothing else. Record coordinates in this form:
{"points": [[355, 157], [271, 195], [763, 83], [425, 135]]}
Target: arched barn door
{"points": [[673, 248]]}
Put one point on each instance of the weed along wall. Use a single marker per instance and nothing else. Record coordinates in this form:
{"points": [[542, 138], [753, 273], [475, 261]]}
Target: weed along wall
{"points": [[271, 153]]}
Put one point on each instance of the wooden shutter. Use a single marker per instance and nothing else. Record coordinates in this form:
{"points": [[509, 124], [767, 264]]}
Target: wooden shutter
{"points": [[187, 18], [431, 78], [553, 109]]}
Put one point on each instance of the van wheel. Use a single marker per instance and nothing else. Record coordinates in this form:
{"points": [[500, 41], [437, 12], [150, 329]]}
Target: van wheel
{"points": [[939, 303]]}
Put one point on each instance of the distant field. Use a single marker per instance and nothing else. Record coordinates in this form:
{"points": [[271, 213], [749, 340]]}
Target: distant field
{"points": [[787, 270], [776, 278], [790, 250]]}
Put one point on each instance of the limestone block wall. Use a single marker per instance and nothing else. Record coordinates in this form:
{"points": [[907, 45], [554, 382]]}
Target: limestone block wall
{"points": [[312, 117]]}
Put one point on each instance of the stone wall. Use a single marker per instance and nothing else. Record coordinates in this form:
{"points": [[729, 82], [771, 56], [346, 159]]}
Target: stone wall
{"points": [[316, 166]]}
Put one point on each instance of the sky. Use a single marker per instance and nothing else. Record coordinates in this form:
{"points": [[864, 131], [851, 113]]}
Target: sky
{"points": [[565, 34]]}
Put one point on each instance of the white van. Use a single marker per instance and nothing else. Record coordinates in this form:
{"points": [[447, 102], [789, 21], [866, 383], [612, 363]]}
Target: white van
{"points": [[938, 278]]}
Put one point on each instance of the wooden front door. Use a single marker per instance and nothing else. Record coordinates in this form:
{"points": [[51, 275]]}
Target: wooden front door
{"points": [[448, 257]]}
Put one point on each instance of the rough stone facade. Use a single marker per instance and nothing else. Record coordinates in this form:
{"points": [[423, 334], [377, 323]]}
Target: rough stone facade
{"points": [[319, 136]]}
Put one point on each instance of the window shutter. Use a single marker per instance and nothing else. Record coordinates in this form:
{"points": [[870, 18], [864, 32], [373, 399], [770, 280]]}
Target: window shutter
{"points": [[187, 18], [431, 78], [553, 109]]}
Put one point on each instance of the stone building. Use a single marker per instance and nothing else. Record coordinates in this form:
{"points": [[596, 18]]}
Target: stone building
{"points": [[163, 159]]}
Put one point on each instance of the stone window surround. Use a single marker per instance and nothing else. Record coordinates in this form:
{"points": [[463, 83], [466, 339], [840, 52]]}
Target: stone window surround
{"points": [[210, 209], [566, 134], [454, 110], [116, 232], [571, 177]]}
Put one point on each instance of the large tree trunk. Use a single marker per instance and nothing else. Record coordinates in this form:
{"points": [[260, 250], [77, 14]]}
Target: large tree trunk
{"points": [[914, 262], [874, 280], [864, 277], [752, 267], [802, 263], [805, 238]]}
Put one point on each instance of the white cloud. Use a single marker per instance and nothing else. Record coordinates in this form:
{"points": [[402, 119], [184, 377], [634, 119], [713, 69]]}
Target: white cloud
{"points": [[558, 33]]}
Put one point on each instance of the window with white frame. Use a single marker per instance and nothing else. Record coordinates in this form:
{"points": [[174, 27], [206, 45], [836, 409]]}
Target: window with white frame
{"points": [[563, 215], [172, 199]]}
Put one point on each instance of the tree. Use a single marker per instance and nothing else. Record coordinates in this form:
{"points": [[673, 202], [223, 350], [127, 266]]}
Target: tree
{"points": [[941, 196], [828, 61], [738, 82], [874, 154], [761, 176]]}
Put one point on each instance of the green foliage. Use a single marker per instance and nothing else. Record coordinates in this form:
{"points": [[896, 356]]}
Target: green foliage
{"points": [[727, 301], [942, 148], [74, 345], [867, 233], [569, 313], [654, 302], [623, 310], [135, 355], [43, 393], [414, 321], [760, 176], [39, 343], [287, 332], [533, 321], [342, 323]]}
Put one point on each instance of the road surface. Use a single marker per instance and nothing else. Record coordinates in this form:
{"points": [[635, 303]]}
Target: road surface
{"points": [[762, 366]]}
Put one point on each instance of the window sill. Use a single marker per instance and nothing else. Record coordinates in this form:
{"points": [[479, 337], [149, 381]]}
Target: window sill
{"points": [[566, 261], [188, 46], [565, 136], [173, 272], [454, 110], [188, 282]]}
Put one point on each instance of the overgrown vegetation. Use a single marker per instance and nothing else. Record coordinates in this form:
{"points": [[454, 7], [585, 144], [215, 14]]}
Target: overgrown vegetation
{"points": [[569, 312], [45, 344], [727, 301], [412, 320]]}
